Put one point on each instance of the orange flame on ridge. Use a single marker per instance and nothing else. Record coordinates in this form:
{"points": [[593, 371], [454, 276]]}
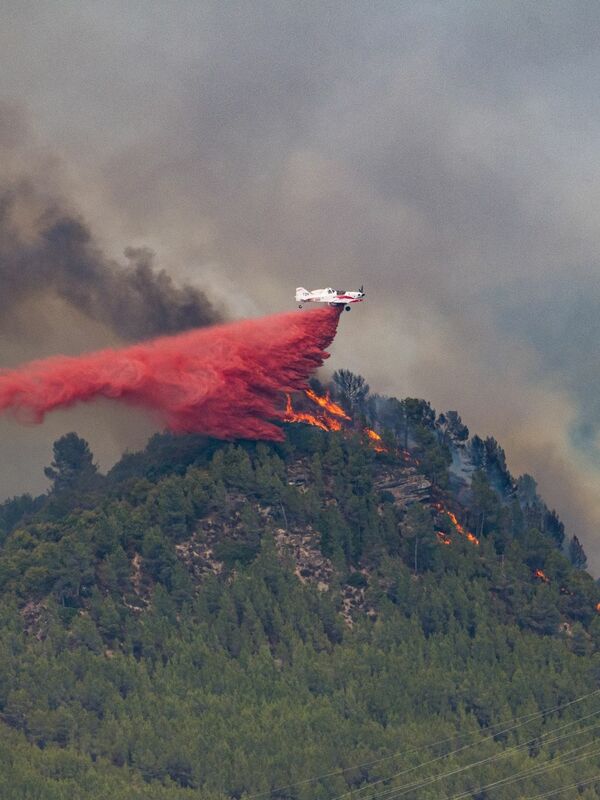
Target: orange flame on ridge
{"points": [[375, 437], [327, 404], [459, 528], [324, 423]]}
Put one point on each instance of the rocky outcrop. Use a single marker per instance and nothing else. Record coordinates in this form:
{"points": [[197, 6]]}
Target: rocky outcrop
{"points": [[303, 548], [405, 484]]}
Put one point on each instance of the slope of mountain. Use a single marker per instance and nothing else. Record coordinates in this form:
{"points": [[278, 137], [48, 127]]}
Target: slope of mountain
{"points": [[297, 620]]}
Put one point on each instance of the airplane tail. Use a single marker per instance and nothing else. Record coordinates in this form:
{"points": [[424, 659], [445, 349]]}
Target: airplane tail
{"points": [[301, 293]]}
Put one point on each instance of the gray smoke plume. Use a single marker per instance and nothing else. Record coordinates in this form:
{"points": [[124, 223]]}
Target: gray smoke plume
{"points": [[56, 254], [61, 293], [444, 154]]}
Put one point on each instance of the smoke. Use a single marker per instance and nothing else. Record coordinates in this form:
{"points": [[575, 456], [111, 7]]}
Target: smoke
{"points": [[47, 250], [450, 149], [61, 293], [225, 381]]}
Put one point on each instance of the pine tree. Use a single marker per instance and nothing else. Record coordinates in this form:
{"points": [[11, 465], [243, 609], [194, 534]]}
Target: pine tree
{"points": [[73, 465], [352, 388], [418, 532], [577, 554]]}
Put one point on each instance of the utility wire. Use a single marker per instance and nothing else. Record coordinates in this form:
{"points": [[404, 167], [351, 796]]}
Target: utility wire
{"points": [[564, 788], [522, 720], [400, 791], [405, 771], [397, 791], [530, 772]]}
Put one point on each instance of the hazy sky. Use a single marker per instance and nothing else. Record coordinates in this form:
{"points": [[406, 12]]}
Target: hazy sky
{"points": [[445, 154]]}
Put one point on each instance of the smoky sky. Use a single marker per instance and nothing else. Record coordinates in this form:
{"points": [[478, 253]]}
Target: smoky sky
{"points": [[61, 293], [57, 254], [443, 154]]}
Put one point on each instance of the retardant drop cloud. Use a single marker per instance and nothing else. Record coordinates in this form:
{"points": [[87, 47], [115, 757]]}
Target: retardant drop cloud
{"points": [[226, 381]]}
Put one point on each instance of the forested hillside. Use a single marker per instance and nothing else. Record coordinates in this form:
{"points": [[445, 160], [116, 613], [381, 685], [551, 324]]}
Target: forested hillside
{"points": [[375, 604]]}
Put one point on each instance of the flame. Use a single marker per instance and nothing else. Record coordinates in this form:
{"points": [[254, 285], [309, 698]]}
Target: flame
{"points": [[327, 404], [322, 422], [330, 423], [459, 528], [326, 422], [222, 381], [375, 437]]}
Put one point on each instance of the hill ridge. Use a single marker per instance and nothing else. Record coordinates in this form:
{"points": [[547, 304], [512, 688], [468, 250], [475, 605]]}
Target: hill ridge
{"points": [[304, 604]]}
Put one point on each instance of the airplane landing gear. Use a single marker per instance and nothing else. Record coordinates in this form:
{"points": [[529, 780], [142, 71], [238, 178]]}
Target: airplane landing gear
{"points": [[300, 305], [347, 308]]}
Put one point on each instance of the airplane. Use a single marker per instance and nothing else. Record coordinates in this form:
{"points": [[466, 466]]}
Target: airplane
{"points": [[334, 297]]}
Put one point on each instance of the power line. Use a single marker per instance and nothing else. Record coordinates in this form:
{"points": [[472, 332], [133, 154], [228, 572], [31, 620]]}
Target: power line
{"points": [[564, 788], [531, 772], [396, 791], [522, 720], [399, 791], [519, 724]]}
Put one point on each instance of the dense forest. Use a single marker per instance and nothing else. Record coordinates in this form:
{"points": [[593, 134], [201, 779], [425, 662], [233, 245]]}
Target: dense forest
{"points": [[375, 606]]}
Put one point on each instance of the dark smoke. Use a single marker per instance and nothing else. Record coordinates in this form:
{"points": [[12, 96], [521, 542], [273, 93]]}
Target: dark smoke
{"points": [[55, 253], [226, 381]]}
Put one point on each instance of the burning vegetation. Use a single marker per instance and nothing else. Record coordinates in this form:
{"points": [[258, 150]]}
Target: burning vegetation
{"points": [[326, 403], [328, 413], [329, 418], [228, 382], [324, 421], [460, 529], [224, 381], [376, 440]]}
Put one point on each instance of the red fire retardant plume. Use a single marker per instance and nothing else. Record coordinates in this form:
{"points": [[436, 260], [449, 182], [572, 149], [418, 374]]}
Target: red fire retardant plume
{"points": [[226, 381]]}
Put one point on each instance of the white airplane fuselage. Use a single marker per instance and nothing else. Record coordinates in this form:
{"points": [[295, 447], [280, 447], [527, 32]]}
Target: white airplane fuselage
{"points": [[334, 297]]}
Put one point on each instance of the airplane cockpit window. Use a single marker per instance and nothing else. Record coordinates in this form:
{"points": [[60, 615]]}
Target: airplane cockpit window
{"points": [[330, 291]]}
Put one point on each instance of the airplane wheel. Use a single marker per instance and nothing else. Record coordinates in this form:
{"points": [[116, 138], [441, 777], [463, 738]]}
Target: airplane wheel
{"points": [[300, 306], [348, 308]]}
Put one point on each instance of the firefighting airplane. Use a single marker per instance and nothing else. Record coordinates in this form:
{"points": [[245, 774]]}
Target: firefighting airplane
{"points": [[334, 297]]}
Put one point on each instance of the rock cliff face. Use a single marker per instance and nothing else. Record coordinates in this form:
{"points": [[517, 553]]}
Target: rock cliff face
{"points": [[303, 549], [404, 483], [221, 534]]}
